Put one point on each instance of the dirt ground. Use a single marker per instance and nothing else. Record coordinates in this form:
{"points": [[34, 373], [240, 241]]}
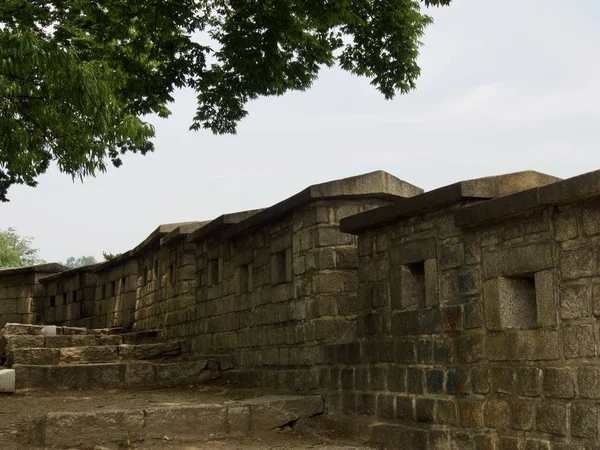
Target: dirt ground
{"points": [[20, 411]]}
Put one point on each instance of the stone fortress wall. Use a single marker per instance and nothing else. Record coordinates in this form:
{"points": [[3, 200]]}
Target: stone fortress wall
{"points": [[464, 317]]}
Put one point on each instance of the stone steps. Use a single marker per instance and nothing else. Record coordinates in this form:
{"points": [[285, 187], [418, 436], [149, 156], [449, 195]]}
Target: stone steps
{"points": [[191, 422], [91, 354], [115, 374]]}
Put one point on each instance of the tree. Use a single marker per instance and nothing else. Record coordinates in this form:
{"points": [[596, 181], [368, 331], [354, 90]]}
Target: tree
{"points": [[77, 77], [16, 251], [73, 263], [109, 256]]}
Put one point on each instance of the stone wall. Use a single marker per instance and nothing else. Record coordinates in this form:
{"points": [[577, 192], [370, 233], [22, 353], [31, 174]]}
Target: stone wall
{"points": [[116, 293], [273, 286], [477, 336], [70, 297], [21, 294]]}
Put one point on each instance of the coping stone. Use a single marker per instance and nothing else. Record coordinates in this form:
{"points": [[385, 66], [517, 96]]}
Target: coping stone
{"points": [[378, 184], [570, 190], [475, 189]]}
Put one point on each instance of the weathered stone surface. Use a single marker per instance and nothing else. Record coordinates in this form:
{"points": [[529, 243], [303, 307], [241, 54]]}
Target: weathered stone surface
{"points": [[575, 302], [104, 353], [270, 412], [186, 422], [39, 356], [559, 382], [76, 428], [580, 342], [510, 303], [7, 380], [525, 259], [148, 351], [552, 418]]}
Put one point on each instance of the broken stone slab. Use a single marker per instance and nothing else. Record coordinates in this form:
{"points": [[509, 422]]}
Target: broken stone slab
{"points": [[7, 380], [148, 351], [274, 411], [179, 422]]}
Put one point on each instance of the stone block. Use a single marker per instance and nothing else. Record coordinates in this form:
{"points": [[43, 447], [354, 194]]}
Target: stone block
{"points": [[414, 380], [67, 429], [523, 415], [529, 381], [480, 380], [270, 412], [575, 302], [452, 318], [503, 380], [471, 413], [425, 410], [48, 330], [552, 418], [496, 414], [451, 255], [386, 406], [8, 306], [396, 380], [565, 226], [579, 342], [412, 252], [545, 298], [405, 407], [7, 380], [139, 374], [446, 412], [103, 353], [518, 260], [584, 420], [559, 382], [365, 404], [578, 263], [458, 382], [35, 356], [186, 422], [588, 380], [470, 348], [435, 381]]}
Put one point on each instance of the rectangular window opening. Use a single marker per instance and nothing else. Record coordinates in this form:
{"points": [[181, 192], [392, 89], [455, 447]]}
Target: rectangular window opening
{"points": [[113, 288], [156, 269], [213, 272], [172, 273], [53, 300], [517, 301], [123, 281], [74, 296], [412, 285], [244, 279], [103, 291], [64, 299], [279, 268]]}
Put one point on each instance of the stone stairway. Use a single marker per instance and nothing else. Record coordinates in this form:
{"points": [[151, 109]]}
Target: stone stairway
{"points": [[72, 357]]}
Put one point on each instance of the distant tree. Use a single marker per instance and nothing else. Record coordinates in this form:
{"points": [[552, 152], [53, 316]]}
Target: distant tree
{"points": [[109, 256], [73, 263], [16, 251], [78, 78]]}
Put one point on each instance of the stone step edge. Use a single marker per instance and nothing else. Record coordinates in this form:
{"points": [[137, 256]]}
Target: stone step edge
{"points": [[95, 353], [115, 374], [23, 329], [180, 423]]}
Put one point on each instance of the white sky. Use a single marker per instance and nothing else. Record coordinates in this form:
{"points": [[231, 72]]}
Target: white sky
{"points": [[506, 85]]}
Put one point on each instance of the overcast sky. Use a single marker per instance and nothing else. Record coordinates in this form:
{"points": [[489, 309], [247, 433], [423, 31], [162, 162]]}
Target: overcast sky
{"points": [[506, 86]]}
